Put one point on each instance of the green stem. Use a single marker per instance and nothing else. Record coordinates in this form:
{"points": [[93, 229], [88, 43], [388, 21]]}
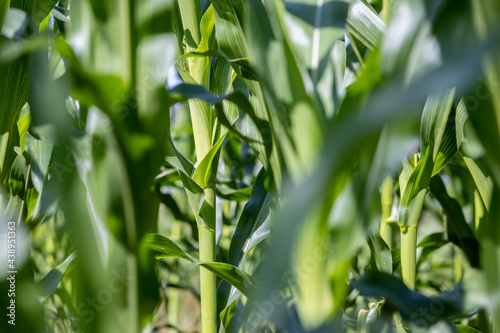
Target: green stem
{"points": [[173, 293], [409, 255], [208, 282], [409, 237], [457, 265], [385, 10], [386, 201], [203, 127]]}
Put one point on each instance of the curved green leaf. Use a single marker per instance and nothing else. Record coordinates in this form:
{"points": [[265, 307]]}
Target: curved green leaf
{"points": [[483, 183], [459, 232], [381, 254], [18, 183], [466, 329], [314, 26], [235, 276], [187, 91], [242, 194], [162, 247], [48, 284], [229, 20], [243, 62], [433, 125], [434, 121], [364, 24], [201, 174]]}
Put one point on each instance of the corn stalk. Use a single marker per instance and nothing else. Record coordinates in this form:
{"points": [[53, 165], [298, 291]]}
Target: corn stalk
{"points": [[205, 134]]}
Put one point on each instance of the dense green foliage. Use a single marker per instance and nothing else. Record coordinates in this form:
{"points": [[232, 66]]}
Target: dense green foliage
{"points": [[250, 165]]}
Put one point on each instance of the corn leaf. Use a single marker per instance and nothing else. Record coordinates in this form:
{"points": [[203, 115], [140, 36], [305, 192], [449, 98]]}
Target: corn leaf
{"points": [[18, 182], [434, 120], [162, 247], [466, 329], [314, 26], [229, 20], [364, 24], [49, 283], [242, 194], [201, 174], [459, 232], [381, 254], [186, 91], [484, 183]]}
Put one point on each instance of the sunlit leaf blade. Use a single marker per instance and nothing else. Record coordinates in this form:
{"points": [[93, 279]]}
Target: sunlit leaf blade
{"points": [[460, 119], [207, 30], [163, 247], [364, 24], [40, 152], [415, 191], [357, 92], [401, 34], [13, 88], [18, 182], [49, 283], [201, 174], [314, 26], [186, 91], [452, 137], [381, 254], [8, 140], [483, 183], [434, 120], [448, 147], [250, 231], [242, 194], [235, 276], [196, 197], [252, 217], [466, 329], [431, 243], [244, 63], [229, 20], [176, 159]]}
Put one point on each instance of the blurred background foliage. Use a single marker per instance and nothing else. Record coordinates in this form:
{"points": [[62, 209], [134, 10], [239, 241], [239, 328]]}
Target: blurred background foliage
{"points": [[251, 165]]}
